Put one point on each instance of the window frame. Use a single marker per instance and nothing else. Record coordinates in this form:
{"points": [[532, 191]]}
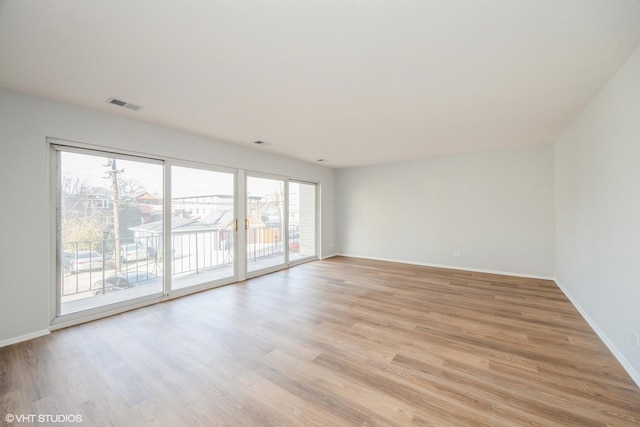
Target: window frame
{"points": [[55, 145], [317, 222], [170, 164]]}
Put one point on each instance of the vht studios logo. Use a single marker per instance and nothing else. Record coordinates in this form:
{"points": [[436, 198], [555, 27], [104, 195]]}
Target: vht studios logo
{"points": [[42, 418]]}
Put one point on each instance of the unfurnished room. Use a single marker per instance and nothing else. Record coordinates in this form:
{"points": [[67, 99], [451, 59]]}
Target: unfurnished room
{"points": [[320, 213]]}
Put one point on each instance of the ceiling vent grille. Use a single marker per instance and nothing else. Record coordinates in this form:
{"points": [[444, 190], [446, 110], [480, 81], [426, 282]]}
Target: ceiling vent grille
{"points": [[124, 104]]}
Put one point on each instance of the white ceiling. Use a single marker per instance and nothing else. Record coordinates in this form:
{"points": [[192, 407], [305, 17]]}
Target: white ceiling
{"points": [[353, 81]]}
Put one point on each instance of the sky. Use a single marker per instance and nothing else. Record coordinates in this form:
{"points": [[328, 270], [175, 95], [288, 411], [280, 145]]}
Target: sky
{"points": [[185, 181]]}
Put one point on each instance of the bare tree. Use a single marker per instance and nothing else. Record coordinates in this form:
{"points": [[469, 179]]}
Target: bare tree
{"points": [[76, 185], [128, 186]]}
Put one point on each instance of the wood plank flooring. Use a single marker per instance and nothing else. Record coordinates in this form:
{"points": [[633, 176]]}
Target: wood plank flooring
{"points": [[339, 342]]}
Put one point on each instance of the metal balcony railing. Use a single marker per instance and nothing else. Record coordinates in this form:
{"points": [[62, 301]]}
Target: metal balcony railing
{"points": [[83, 264]]}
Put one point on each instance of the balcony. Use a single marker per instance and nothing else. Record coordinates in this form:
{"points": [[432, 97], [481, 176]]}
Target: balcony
{"points": [[89, 279]]}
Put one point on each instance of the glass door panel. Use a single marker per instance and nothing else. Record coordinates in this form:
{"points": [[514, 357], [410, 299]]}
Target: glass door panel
{"points": [[109, 229], [302, 220], [202, 226], [265, 222]]}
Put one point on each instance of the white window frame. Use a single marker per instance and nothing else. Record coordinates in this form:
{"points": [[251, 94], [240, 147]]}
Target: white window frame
{"points": [[54, 145], [287, 262], [211, 168], [317, 224]]}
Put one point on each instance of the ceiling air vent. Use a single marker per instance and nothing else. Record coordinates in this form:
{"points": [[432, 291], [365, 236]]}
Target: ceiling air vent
{"points": [[124, 104]]}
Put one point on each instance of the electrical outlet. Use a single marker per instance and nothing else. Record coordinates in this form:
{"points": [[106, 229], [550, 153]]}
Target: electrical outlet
{"points": [[634, 338], [456, 253]]}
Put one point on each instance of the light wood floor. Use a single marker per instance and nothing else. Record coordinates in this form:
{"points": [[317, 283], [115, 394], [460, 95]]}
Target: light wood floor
{"points": [[330, 343]]}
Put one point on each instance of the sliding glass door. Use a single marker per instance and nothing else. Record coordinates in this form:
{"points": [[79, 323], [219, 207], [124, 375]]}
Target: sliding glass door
{"points": [[265, 223], [302, 221], [106, 204], [280, 223], [203, 224], [132, 230]]}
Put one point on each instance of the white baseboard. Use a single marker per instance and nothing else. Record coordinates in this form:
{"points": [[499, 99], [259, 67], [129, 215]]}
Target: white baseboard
{"points": [[451, 267], [25, 337], [635, 375], [329, 256]]}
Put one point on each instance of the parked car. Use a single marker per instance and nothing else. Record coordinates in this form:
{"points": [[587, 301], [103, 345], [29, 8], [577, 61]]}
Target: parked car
{"points": [[133, 252], [83, 261], [121, 281]]}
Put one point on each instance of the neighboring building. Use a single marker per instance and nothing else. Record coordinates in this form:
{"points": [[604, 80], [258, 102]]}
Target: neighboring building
{"points": [[95, 206], [150, 207], [201, 206]]}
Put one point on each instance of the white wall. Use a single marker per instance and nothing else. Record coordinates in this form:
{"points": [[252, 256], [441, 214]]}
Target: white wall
{"points": [[496, 208], [598, 213], [25, 122]]}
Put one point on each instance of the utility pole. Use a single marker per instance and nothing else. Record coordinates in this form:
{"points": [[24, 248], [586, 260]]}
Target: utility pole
{"points": [[113, 174]]}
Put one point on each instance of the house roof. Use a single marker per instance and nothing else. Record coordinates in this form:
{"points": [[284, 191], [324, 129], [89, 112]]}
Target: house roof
{"points": [[179, 225], [145, 196], [219, 219]]}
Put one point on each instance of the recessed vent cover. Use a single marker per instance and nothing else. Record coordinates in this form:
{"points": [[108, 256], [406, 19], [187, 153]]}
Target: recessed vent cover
{"points": [[124, 104], [117, 102]]}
